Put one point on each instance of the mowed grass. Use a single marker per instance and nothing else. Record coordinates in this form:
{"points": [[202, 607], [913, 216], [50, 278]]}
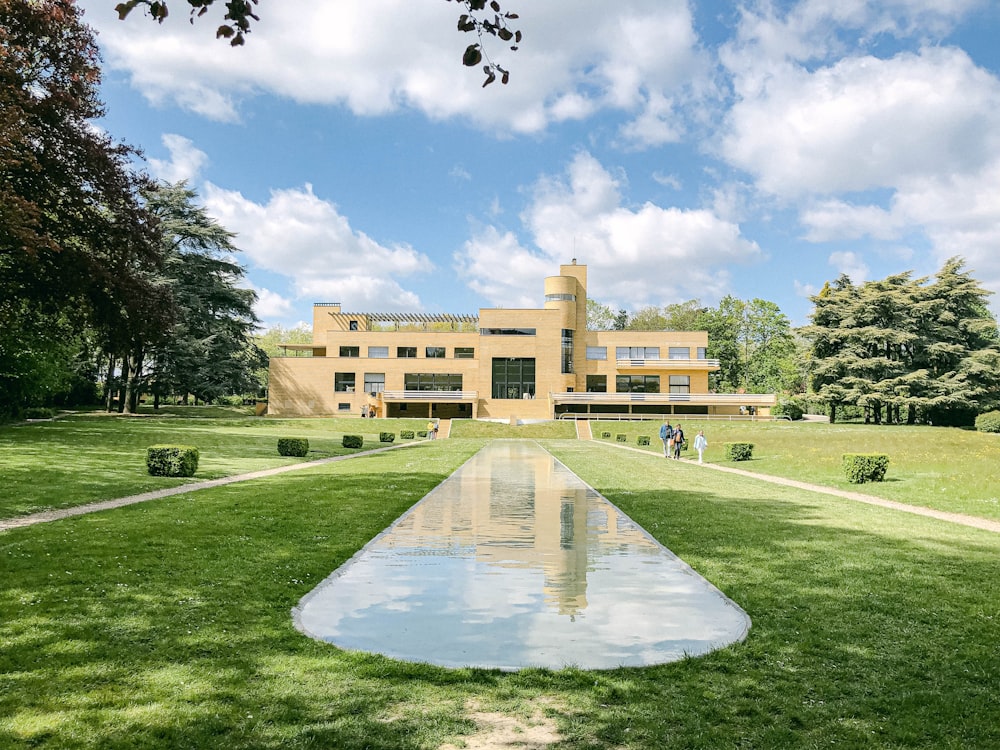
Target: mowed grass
{"points": [[936, 467], [168, 625], [82, 458]]}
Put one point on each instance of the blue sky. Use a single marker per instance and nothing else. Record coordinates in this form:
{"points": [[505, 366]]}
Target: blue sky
{"points": [[680, 149]]}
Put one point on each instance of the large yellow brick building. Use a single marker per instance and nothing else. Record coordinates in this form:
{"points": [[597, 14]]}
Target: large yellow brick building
{"points": [[502, 364]]}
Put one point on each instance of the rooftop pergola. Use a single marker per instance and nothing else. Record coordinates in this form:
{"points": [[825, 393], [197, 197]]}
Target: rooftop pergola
{"points": [[416, 318]]}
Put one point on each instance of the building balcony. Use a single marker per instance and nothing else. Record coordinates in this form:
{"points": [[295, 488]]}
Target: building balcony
{"points": [[667, 364], [700, 399], [439, 396]]}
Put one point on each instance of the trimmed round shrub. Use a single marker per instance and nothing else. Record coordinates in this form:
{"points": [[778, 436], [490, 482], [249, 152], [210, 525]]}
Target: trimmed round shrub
{"points": [[621, 438], [172, 460], [988, 422], [642, 440], [298, 447], [865, 467], [606, 435], [406, 434], [787, 408], [352, 441], [39, 412], [739, 451], [421, 433], [387, 437]]}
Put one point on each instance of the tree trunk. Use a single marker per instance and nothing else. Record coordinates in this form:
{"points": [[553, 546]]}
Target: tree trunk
{"points": [[911, 414], [109, 385], [132, 386], [122, 392], [833, 412]]}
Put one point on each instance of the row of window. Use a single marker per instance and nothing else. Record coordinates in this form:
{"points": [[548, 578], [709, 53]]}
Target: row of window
{"points": [[346, 382], [468, 352], [409, 352], [638, 384], [644, 352], [513, 378]]}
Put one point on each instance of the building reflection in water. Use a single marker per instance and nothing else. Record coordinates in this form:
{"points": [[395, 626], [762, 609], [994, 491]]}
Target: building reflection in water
{"points": [[513, 562]]}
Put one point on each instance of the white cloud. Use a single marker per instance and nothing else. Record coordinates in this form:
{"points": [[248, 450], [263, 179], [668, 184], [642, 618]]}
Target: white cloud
{"points": [[271, 305], [646, 255], [851, 264], [186, 160], [305, 238], [630, 55], [865, 123]]}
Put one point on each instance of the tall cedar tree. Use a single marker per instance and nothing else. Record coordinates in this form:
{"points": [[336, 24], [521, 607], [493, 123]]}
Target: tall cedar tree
{"points": [[927, 347], [210, 351]]}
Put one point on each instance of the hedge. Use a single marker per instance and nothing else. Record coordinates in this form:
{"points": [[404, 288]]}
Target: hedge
{"points": [[352, 441], [865, 467], [787, 408], [621, 438], [642, 440], [739, 451], [421, 433], [172, 460], [606, 435], [406, 434], [386, 437], [988, 422], [293, 447]]}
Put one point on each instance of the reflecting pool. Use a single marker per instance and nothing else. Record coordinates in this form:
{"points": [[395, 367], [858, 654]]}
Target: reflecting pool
{"points": [[514, 562]]}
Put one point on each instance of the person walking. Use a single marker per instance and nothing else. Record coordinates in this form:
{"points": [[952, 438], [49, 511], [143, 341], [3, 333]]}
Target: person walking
{"points": [[666, 434], [678, 442], [700, 443], [431, 432]]}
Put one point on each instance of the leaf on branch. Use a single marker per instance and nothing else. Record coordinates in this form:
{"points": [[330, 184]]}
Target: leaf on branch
{"points": [[224, 31], [489, 79], [125, 8], [472, 56], [505, 34], [495, 5], [466, 23]]}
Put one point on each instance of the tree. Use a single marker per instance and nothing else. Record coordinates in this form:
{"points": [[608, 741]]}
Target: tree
{"points": [[209, 351], [648, 318], [75, 241], [930, 347], [239, 13], [599, 317]]}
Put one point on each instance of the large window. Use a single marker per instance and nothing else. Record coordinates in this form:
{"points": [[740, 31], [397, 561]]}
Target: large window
{"points": [[434, 352], [507, 331], [350, 351], [597, 352], [702, 352], [343, 382], [378, 352], [465, 352], [637, 383], [597, 384], [513, 377], [567, 351], [680, 352], [406, 352], [432, 381], [637, 352], [680, 383], [374, 382]]}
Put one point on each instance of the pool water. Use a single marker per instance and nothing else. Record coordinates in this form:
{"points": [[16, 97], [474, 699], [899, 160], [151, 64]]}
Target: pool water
{"points": [[514, 562]]}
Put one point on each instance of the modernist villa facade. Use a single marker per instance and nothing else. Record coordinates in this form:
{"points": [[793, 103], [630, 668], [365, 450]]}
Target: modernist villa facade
{"points": [[507, 364]]}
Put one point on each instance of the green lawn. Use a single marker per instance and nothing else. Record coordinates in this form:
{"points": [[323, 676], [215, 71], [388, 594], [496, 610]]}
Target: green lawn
{"points": [[83, 458], [167, 624], [937, 467]]}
